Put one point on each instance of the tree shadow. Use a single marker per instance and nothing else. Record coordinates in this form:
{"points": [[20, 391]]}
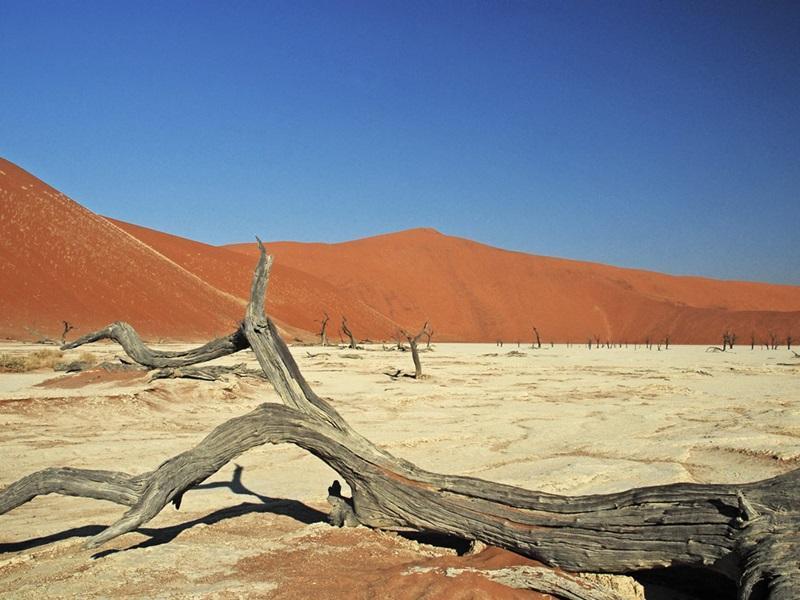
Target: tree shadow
{"points": [[83, 531], [277, 506]]}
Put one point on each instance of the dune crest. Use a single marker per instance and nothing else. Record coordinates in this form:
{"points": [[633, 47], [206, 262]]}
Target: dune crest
{"points": [[60, 262]]}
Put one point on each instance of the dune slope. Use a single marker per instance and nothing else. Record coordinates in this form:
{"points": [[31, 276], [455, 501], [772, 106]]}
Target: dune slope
{"points": [[473, 292], [59, 261]]}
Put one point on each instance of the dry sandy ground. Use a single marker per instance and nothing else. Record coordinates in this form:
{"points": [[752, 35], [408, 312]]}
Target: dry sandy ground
{"points": [[565, 420]]}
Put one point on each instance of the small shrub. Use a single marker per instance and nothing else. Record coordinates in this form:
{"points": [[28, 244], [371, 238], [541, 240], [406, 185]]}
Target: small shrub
{"points": [[88, 357], [10, 363], [22, 363]]}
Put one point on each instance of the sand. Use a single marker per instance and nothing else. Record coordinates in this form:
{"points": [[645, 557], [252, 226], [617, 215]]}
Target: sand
{"points": [[62, 262], [565, 420]]}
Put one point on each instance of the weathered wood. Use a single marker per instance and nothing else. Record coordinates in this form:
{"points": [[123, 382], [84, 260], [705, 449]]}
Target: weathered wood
{"points": [[412, 342], [126, 336], [748, 532], [323, 337], [67, 328], [206, 373], [346, 330]]}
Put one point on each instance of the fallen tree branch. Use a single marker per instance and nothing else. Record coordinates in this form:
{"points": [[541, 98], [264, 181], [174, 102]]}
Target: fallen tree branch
{"points": [[207, 373], [748, 532], [126, 336]]}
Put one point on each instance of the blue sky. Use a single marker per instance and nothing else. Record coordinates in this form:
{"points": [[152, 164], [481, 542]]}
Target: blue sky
{"points": [[656, 135]]}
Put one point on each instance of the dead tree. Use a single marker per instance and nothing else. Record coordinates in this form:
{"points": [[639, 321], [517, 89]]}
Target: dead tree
{"points": [[428, 335], [747, 532], [412, 342], [323, 336], [67, 328], [353, 345], [728, 339], [538, 343], [666, 342], [788, 342], [773, 341]]}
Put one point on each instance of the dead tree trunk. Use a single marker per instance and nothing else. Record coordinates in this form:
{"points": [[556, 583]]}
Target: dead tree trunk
{"points": [[538, 340], [412, 342], [349, 334], [748, 532], [67, 328], [773, 341], [429, 335], [323, 337]]}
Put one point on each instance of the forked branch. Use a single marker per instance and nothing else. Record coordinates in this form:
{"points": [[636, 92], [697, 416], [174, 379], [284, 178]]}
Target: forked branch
{"points": [[126, 336]]}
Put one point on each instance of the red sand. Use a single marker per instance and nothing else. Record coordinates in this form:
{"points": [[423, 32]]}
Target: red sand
{"points": [[473, 292], [59, 261]]}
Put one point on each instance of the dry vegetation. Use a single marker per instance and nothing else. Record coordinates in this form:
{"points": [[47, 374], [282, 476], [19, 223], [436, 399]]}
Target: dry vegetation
{"points": [[23, 363]]}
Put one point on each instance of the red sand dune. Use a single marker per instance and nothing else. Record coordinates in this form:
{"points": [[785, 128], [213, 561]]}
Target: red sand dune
{"points": [[473, 292], [61, 261]]}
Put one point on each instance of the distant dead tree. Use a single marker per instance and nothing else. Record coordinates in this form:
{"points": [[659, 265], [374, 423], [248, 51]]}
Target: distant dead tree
{"points": [[67, 328], [666, 342], [346, 330], [428, 335], [412, 342], [728, 339], [398, 338], [597, 343], [323, 337], [590, 343], [647, 343], [773, 341], [752, 341], [538, 343], [788, 342]]}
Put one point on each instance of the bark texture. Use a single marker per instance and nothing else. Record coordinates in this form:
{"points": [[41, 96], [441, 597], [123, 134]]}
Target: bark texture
{"points": [[413, 340], [126, 336], [346, 330], [748, 532]]}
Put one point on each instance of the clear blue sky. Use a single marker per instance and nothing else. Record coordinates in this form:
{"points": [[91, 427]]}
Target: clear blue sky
{"points": [[658, 135]]}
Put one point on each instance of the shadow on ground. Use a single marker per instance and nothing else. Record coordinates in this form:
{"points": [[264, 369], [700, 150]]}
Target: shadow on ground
{"points": [[277, 506]]}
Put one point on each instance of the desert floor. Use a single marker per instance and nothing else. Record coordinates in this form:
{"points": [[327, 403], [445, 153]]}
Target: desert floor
{"points": [[565, 420]]}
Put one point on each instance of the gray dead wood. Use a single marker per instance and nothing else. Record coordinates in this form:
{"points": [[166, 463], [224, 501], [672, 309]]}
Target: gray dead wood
{"points": [[538, 343], [126, 336], [346, 330], [74, 366], [67, 328], [749, 532], [323, 337], [207, 373], [412, 342]]}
